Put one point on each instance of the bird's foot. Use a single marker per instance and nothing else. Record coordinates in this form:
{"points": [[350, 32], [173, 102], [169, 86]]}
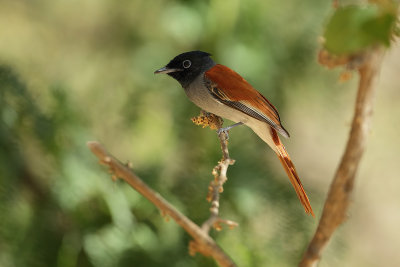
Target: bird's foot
{"points": [[226, 129]]}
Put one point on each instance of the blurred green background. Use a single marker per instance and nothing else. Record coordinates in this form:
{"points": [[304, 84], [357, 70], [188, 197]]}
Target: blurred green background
{"points": [[74, 71]]}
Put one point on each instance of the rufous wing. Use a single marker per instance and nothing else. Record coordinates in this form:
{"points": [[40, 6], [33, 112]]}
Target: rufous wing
{"points": [[230, 88]]}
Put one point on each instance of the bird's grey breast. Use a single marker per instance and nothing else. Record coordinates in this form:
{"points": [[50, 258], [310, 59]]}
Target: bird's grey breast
{"points": [[199, 93]]}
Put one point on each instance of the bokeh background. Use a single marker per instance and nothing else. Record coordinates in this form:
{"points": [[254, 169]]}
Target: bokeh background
{"points": [[74, 71]]}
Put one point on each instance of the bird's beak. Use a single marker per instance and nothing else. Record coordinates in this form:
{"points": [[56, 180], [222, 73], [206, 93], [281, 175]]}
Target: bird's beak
{"points": [[166, 70]]}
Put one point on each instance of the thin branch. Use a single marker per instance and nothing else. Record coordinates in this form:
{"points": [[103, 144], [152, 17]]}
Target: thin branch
{"points": [[202, 243], [216, 187], [206, 119], [341, 189]]}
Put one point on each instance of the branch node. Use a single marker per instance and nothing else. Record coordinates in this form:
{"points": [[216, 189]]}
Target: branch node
{"points": [[164, 214], [229, 223], [217, 225], [195, 247], [106, 160], [129, 164]]}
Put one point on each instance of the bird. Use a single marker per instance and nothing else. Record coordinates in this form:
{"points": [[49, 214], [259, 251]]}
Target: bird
{"points": [[220, 90]]}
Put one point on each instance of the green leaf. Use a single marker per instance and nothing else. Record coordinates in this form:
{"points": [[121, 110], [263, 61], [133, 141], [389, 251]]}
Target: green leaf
{"points": [[354, 28]]}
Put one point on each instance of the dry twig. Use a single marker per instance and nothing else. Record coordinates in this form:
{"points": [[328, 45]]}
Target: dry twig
{"points": [[219, 172], [202, 242], [341, 189]]}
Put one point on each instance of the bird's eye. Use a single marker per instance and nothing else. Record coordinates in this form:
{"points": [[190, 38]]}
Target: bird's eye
{"points": [[187, 63]]}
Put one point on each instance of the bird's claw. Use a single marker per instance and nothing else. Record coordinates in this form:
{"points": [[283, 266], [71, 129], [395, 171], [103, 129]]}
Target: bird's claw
{"points": [[225, 131]]}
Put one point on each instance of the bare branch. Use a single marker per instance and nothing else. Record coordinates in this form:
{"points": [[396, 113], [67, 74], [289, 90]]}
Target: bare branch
{"points": [[341, 189], [202, 243], [216, 185]]}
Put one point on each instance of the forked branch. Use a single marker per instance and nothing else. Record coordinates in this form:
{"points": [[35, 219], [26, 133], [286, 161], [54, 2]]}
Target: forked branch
{"points": [[202, 242]]}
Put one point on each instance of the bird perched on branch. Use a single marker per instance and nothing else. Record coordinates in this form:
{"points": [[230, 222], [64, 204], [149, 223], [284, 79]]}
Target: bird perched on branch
{"points": [[219, 90]]}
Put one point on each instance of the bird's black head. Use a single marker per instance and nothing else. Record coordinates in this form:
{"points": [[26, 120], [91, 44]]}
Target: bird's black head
{"points": [[187, 66]]}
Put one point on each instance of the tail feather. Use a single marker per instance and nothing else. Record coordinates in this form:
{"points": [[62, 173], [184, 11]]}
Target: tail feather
{"points": [[291, 172]]}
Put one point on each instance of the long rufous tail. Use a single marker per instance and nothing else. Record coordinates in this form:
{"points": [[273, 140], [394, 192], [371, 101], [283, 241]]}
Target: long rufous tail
{"points": [[291, 172]]}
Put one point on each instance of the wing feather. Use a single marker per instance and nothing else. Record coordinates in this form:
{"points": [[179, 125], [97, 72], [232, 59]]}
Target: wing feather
{"points": [[230, 88]]}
